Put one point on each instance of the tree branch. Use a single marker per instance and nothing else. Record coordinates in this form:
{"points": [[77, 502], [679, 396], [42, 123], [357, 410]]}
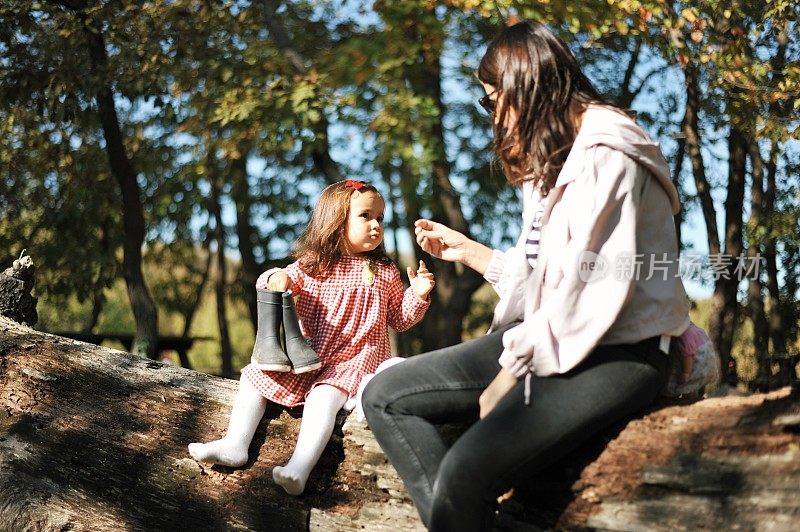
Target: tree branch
{"points": [[320, 152], [74, 5]]}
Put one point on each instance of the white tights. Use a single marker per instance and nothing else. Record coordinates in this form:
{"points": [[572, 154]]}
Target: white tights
{"points": [[231, 449], [316, 427]]}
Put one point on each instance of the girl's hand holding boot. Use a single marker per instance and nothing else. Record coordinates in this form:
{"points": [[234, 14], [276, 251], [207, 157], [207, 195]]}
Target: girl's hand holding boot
{"points": [[279, 282]]}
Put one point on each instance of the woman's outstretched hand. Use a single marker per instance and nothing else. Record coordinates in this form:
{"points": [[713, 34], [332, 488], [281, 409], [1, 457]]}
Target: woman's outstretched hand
{"points": [[446, 244], [441, 241], [421, 281]]}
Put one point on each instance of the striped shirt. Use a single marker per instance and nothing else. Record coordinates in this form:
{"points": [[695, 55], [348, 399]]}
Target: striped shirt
{"points": [[532, 242]]}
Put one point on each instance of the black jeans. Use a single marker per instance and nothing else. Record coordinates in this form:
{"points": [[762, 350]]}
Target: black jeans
{"points": [[456, 488]]}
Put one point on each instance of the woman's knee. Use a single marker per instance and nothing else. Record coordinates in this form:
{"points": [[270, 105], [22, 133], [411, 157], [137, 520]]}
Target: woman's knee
{"points": [[374, 398]]}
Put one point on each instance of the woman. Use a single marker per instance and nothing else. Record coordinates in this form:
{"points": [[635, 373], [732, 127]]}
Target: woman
{"points": [[589, 296]]}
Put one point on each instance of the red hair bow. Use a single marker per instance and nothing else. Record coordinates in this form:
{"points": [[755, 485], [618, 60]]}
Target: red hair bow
{"points": [[357, 185]]}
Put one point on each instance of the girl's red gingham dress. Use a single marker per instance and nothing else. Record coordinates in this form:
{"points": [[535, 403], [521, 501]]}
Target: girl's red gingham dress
{"points": [[346, 321]]}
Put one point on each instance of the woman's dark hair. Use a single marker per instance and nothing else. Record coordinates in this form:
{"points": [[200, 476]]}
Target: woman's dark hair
{"points": [[536, 75], [322, 243]]}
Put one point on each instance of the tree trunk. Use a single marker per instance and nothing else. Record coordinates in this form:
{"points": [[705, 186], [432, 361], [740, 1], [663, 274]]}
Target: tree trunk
{"points": [[240, 193], [755, 295], [144, 310], [98, 290], [776, 328], [16, 302], [188, 317], [691, 131], [443, 325], [98, 301], [226, 352], [720, 464], [726, 309], [95, 439], [403, 341], [680, 155], [627, 94]]}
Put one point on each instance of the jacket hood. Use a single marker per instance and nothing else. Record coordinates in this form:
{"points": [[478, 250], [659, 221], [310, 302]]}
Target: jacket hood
{"points": [[613, 128]]}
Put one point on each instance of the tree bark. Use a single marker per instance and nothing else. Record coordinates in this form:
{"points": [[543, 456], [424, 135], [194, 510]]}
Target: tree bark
{"points": [[144, 309], [240, 193], [94, 439], [722, 463], [16, 302], [450, 301], [220, 284], [725, 315], [755, 295]]}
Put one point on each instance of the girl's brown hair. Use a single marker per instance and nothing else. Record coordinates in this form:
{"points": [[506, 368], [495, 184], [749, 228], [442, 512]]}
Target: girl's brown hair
{"points": [[535, 73], [322, 243]]}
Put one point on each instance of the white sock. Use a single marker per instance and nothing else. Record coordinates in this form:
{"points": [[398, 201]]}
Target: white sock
{"points": [[231, 450], [316, 427]]}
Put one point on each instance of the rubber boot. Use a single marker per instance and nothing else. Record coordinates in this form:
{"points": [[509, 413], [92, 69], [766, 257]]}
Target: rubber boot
{"points": [[303, 358], [267, 352]]}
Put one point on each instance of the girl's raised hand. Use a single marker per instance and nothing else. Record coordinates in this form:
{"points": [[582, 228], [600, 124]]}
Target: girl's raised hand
{"points": [[422, 281], [440, 241]]}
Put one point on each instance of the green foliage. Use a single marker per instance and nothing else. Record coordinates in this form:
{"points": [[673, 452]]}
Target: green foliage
{"points": [[59, 314], [205, 355], [204, 89], [480, 316]]}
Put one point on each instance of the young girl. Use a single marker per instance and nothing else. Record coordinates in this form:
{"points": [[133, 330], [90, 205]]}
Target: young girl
{"points": [[348, 292]]}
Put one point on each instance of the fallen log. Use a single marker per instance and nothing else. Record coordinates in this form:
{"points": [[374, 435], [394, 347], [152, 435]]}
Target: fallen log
{"points": [[16, 283], [722, 463], [94, 439]]}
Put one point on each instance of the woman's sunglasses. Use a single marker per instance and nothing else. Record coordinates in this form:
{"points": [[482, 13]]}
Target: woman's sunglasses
{"points": [[489, 105]]}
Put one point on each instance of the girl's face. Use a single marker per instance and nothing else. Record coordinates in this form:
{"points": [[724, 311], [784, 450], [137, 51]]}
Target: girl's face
{"points": [[364, 231]]}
